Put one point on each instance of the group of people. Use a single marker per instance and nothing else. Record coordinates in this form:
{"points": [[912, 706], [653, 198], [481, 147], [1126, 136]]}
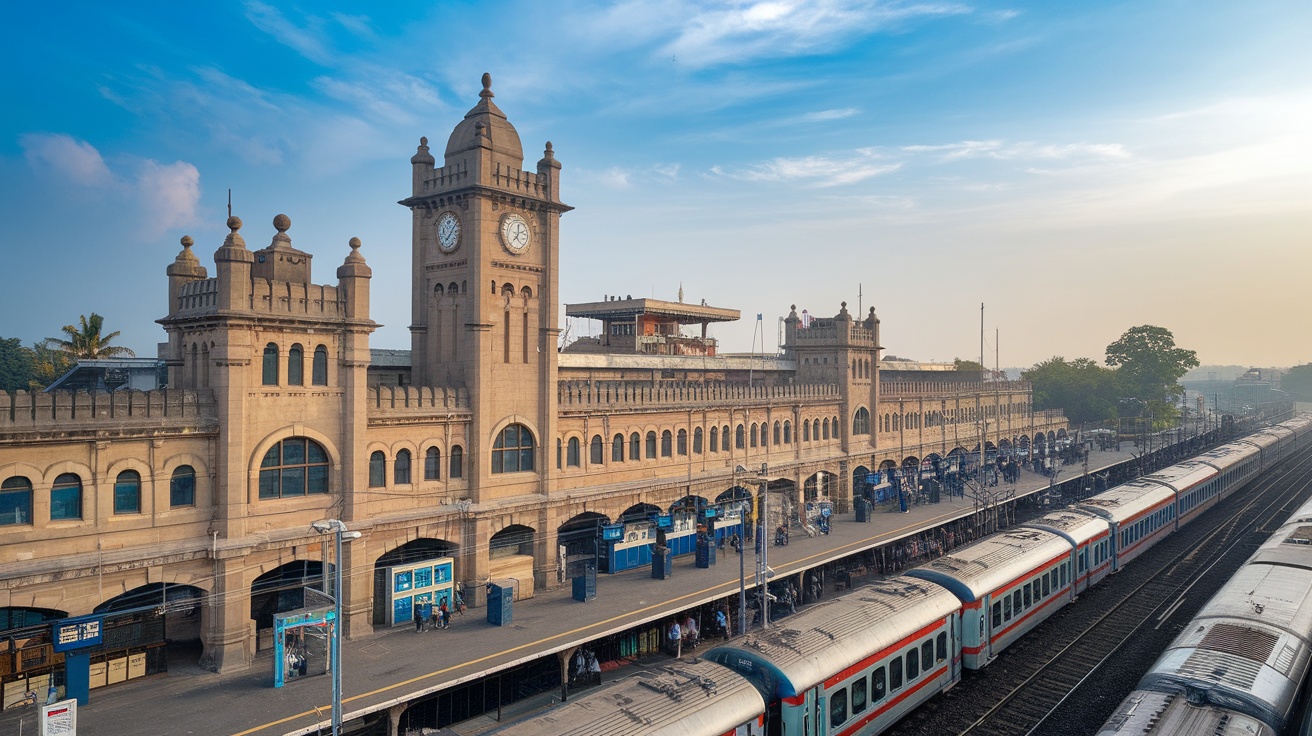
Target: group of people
{"points": [[680, 635], [437, 616], [584, 668]]}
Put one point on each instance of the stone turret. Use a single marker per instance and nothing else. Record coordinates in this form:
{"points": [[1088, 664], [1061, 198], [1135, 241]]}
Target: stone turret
{"points": [[353, 283], [280, 261], [184, 269], [232, 266]]}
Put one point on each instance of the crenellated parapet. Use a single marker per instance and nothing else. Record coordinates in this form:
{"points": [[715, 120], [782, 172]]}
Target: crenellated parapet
{"points": [[615, 395], [948, 389], [66, 411], [383, 400], [293, 299]]}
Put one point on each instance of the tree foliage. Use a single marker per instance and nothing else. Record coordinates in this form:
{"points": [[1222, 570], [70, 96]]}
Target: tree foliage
{"points": [[1086, 391], [47, 364], [1149, 365], [86, 341], [1298, 381], [967, 366], [16, 365]]}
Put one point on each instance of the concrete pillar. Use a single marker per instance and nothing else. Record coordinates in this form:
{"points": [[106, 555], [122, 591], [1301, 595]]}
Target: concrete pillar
{"points": [[228, 630]]}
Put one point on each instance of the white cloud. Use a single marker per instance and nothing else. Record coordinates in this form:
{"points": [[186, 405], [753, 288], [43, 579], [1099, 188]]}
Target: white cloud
{"points": [[166, 195], [169, 194], [996, 149], [75, 160], [716, 33], [823, 115], [817, 171], [615, 178], [307, 41]]}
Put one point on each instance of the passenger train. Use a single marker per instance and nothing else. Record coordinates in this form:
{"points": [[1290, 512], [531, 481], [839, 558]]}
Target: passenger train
{"points": [[854, 665], [1238, 667]]}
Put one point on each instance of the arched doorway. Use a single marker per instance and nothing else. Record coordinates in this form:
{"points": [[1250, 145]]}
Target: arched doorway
{"points": [[156, 622], [510, 557], [578, 545], [280, 590], [404, 559], [18, 617]]}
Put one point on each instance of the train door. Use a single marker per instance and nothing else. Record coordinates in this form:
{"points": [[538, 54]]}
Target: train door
{"points": [[954, 647], [1080, 564], [1114, 548], [984, 626]]}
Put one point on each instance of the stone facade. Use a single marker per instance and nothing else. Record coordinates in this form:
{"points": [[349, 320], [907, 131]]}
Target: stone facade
{"points": [[500, 448]]}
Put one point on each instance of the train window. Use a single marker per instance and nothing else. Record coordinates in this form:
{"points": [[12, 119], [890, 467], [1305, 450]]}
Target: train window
{"points": [[859, 696], [941, 645], [1063, 574], [1015, 602], [1028, 601], [837, 708], [1084, 555], [927, 654], [877, 685], [997, 614], [895, 674], [1006, 608], [913, 664], [1036, 589], [1046, 589]]}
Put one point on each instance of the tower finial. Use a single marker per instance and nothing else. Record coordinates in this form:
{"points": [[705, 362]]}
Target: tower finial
{"points": [[487, 86]]}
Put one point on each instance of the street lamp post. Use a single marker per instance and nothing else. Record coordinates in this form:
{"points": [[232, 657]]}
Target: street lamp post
{"points": [[339, 531]]}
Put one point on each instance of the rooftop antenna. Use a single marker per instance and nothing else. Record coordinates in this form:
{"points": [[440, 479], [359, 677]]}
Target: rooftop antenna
{"points": [[229, 202], [860, 308]]}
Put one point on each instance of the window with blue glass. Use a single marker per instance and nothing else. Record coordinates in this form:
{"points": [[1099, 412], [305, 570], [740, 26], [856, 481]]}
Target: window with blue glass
{"points": [[294, 467], [127, 493], [182, 486], [66, 497], [15, 501], [513, 450]]}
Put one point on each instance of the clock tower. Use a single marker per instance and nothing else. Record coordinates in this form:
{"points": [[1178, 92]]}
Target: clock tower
{"points": [[485, 275]]}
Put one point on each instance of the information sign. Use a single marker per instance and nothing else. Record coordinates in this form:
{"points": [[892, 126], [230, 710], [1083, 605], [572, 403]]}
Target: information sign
{"points": [[76, 633], [59, 719]]}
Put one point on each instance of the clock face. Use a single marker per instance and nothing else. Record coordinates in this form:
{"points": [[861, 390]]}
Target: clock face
{"points": [[448, 232], [515, 233]]}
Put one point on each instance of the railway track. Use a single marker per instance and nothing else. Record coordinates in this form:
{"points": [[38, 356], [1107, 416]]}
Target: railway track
{"points": [[1017, 693]]}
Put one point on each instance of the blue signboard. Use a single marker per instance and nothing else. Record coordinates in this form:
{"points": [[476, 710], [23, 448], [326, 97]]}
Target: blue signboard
{"points": [[612, 532], [76, 633], [710, 512], [664, 521]]}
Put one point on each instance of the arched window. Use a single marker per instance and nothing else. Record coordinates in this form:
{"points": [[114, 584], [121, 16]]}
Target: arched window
{"points": [[681, 444], [834, 423], [667, 444], [401, 468], [127, 492], [596, 450], [724, 438], [715, 439], [270, 365], [635, 447], [513, 450], [572, 456], [432, 464], [377, 469], [181, 487], [195, 365], [753, 434], [296, 366], [66, 497], [740, 440], [617, 449], [457, 469], [825, 427], [697, 441], [295, 466], [861, 421], [788, 432], [205, 365], [806, 430], [651, 445], [15, 501], [319, 372], [778, 432], [560, 453]]}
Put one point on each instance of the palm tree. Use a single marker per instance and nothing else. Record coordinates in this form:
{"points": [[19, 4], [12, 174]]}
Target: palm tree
{"points": [[86, 342]]}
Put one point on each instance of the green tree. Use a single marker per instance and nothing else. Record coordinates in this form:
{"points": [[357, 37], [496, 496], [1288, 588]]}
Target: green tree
{"points": [[47, 364], [1298, 381], [1086, 391], [967, 366], [1149, 365], [86, 341], [16, 365]]}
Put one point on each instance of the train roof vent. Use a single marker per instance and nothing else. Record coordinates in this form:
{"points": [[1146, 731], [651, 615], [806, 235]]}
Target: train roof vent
{"points": [[1301, 535], [1241, 641], [1285, 660], [1220, 667]]}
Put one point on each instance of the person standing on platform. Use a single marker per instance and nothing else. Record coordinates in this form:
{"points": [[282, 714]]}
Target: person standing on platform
{"points": [[722, 621], [445, 612], [690, 632], [675, 639], [419, 618]]}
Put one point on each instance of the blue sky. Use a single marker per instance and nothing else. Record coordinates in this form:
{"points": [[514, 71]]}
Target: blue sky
{"points": [[1078, 167]]}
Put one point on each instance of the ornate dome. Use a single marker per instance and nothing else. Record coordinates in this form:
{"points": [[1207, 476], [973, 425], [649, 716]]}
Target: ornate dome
{"points": [[486, 124]]}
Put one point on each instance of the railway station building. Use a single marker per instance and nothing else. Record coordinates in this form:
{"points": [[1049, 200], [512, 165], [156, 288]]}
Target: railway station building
{"points": [[190, 506]]}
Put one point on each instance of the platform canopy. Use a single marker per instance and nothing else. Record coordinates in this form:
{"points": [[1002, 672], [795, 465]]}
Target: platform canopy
{"points": [[628, 310]]}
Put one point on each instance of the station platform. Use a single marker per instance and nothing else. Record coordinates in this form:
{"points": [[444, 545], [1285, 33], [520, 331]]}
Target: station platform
{"points": [[391, 668]]}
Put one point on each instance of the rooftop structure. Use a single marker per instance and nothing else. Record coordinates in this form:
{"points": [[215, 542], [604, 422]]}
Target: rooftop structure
{"points": [[648, 326]]}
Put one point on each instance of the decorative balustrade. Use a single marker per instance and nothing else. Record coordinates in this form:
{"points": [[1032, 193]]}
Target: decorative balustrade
{"points": [[70, 411], [611, 395]]}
